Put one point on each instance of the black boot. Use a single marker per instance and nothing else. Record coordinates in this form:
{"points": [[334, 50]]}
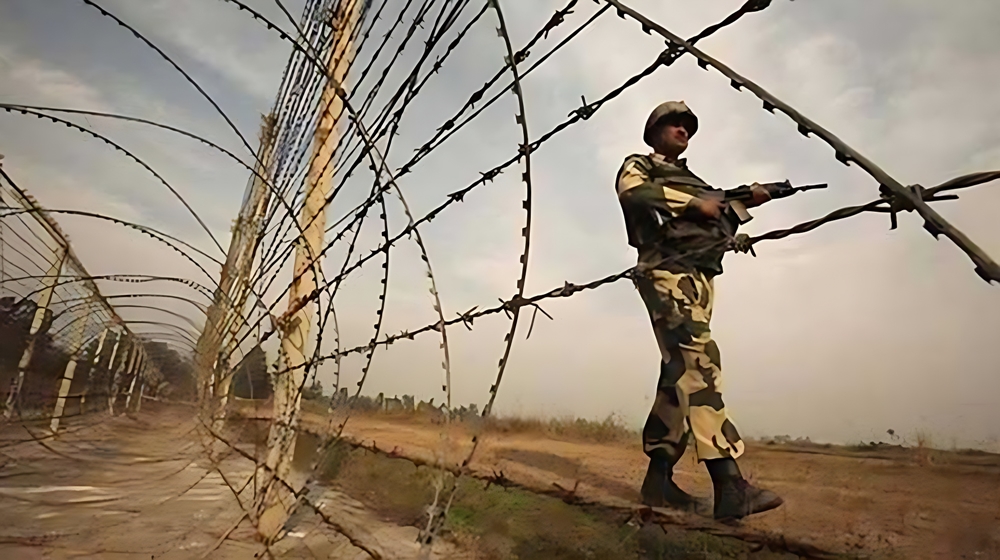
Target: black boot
{"points": [[659, 489], [735, 498]]}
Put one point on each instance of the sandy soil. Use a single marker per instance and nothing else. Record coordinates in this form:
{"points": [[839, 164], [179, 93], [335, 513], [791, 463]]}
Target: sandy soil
{"points": [[892, 502], [141, 488]]}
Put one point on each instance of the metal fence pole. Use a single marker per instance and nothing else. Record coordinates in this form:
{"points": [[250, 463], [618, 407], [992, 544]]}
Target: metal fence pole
{"points": [[93, 366], [44, 298], [230, 298], [122, 372], [67, 379], [137, 369], [142, 387], [281, 478], [111, 363]]}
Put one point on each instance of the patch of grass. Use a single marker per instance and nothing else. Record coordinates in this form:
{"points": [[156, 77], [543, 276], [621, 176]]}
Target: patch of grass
{"points": [[395, 489], [333, 461], [503, 524], [315, 406], [666, 544], [611, 429], [510, 523]]}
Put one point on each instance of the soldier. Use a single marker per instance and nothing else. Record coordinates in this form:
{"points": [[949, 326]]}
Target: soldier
{"points": [[681, 232]]}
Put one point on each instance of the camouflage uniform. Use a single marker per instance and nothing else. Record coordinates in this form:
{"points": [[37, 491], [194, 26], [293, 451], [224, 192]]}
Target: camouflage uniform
{"points": [[683, 253]]}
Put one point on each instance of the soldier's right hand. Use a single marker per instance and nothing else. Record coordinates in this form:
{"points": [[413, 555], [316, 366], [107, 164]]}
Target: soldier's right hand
{"points": [[710, 208]]}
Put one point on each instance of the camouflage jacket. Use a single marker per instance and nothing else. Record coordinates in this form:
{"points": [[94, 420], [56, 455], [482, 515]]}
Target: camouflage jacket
{"points": [[655, 197]]}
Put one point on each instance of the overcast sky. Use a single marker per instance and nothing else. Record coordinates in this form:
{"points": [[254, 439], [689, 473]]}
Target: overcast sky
{"points": [[838, 335]]}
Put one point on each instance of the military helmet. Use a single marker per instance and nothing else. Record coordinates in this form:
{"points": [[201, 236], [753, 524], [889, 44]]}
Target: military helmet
{"points": [[664, 110]]}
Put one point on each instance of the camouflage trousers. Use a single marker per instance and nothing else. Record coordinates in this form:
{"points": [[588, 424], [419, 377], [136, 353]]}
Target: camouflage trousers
{"points": [[689, 391]]}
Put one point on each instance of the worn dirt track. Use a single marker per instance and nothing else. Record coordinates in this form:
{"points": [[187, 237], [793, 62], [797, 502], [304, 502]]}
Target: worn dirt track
{"points": [[895, 502], [141, 487]]}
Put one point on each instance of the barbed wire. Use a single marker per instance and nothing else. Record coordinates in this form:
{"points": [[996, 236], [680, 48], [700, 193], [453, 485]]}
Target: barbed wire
{"points": [[285, 164], [177, 67], [317, 292], [663, 59], [317, 269], [317, 83], [881, 205], [986, 268], [31, 109], [127, 153], [580, 114], [442, 325], [380, 126], [52, 316]]}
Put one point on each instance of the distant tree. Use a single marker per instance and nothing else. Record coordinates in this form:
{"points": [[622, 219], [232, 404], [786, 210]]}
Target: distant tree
{"points": [[250, 377], [313, 392], [176, 369], [15, 319], [48, 359]]}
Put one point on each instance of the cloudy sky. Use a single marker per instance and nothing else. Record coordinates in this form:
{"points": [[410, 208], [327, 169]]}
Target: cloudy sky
{"points": [[838, 335]]}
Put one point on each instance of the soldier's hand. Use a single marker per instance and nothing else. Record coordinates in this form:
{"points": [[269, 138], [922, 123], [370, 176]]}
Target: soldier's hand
{"points": [[710, 208]]}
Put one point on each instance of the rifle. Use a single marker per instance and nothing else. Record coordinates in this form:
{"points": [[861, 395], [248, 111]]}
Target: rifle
{"points": [[735, 198]]}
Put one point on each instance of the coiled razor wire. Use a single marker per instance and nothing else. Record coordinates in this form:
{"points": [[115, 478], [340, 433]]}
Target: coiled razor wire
{"points": [[74, 311], [284, 175]]}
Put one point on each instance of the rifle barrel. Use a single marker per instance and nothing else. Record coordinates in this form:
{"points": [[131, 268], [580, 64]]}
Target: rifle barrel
{"points": [[812, 187]]}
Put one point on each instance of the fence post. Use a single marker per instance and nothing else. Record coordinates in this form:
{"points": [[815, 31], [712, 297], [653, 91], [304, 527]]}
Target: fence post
{"points": [[93, 365], [111, 365], [123, 371], [44, 298], [67, 379], [137, 370], [281, 478], [228, 304], [142, 387]]}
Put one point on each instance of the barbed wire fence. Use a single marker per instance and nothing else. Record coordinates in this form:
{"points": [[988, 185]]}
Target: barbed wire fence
{"points": [[64, 344], [331, 122]]}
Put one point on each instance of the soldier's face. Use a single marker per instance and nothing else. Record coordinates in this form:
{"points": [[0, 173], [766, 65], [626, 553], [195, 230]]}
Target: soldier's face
{"points": [[673, 139]]}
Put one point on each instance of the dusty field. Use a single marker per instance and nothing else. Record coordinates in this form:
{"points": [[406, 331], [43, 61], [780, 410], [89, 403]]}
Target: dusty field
{"points": [[893, 503], [141, 488]]}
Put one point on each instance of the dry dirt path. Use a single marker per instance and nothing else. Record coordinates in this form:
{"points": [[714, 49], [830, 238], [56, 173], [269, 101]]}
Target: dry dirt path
{"points": [[880, 503], [142, 488]]}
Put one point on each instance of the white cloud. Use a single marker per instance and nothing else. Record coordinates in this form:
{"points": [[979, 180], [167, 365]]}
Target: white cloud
{"points": [[42, 84], [216, 35], [839, 333]]}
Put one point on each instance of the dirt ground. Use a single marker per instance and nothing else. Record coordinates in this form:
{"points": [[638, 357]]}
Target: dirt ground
{"points": [[873, 502], [141, 488]]}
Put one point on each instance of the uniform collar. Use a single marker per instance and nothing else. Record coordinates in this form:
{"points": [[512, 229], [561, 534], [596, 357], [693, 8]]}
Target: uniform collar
{"points": [[660, 160]]}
